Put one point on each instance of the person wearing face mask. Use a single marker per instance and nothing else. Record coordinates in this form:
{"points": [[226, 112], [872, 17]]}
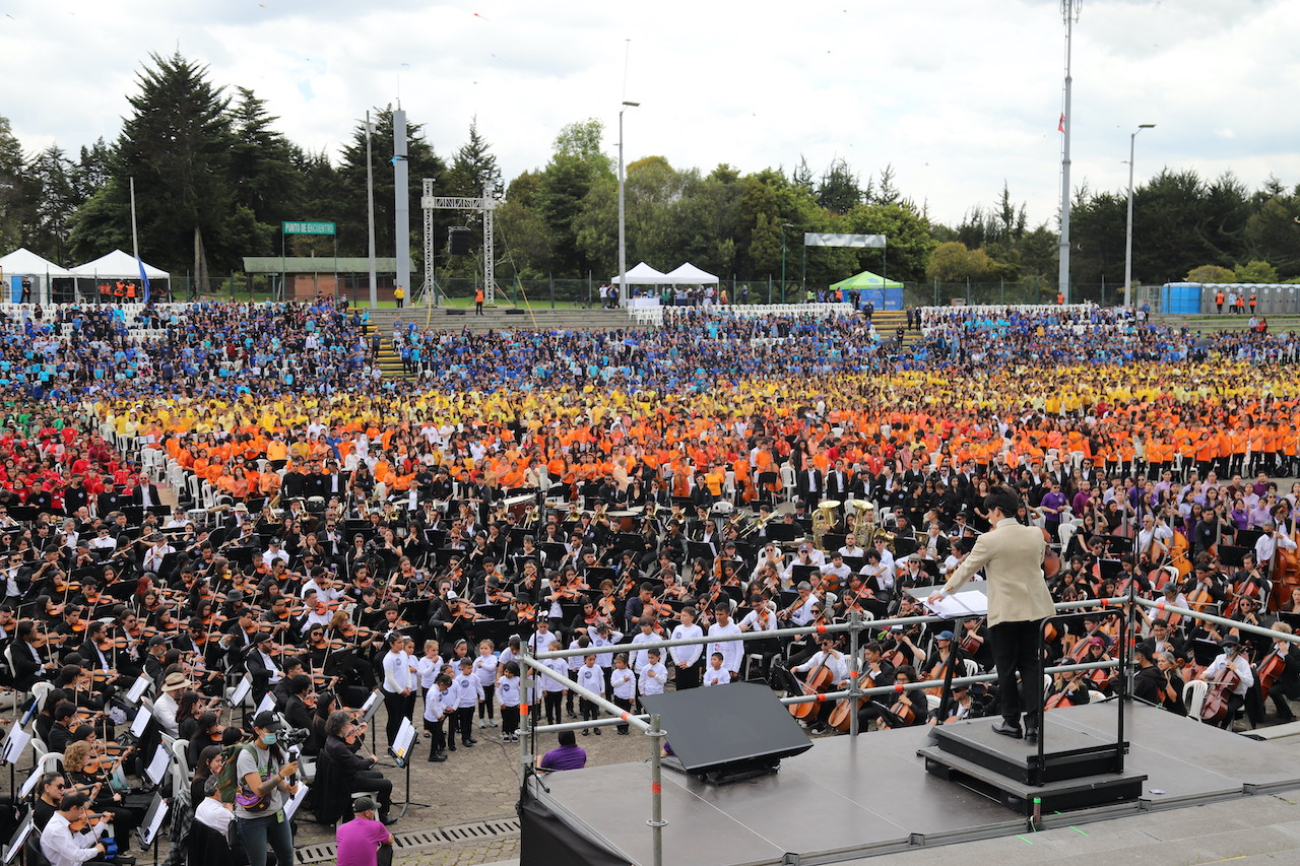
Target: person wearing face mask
{"points": [[264, 778]]}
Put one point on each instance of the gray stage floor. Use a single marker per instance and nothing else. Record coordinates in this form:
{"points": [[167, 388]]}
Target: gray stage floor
{"points": [[847, 798]]}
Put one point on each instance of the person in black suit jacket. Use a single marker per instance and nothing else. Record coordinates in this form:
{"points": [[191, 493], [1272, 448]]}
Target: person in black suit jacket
{"points": [[838, 482], [809, 484], [30, 664], [145, 495], [255, 663]]}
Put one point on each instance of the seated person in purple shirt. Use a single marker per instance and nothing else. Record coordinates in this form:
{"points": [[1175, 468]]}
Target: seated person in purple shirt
{"points": [[364, 841], [567, 756]]}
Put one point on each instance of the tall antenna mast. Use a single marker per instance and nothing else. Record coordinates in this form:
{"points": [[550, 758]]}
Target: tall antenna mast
{"points": [[1070, 12]]}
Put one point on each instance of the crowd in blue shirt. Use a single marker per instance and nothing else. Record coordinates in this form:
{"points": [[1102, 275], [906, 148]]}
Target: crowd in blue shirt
{"points": [[224, 349]]}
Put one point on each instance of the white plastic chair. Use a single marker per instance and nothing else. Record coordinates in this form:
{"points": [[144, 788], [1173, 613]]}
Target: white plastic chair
{"points": [[50, 762], [1194, 697]]}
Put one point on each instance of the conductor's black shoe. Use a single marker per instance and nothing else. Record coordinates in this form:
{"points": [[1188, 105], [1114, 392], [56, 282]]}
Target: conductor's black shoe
{"points": [[1007, 730], [1031, 734]]}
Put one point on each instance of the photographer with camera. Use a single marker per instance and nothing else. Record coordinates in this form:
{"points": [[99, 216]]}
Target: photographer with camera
{"points": [[342, 741], [264, 777]]}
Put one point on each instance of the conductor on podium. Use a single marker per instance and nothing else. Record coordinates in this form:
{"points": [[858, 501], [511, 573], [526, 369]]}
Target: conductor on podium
{"points": [[1011, 557]]}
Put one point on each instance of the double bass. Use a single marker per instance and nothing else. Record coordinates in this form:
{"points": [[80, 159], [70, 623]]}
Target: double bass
{"points": [[1286, 572]]}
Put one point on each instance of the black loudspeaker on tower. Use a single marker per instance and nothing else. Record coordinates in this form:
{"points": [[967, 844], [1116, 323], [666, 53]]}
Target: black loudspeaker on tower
{"points": [[458, 240]]}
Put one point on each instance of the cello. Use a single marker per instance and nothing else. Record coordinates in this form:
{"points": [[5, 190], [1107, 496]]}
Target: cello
{"points": [[819, 680], [839, 717], [1215, 709], [1270, 670]]}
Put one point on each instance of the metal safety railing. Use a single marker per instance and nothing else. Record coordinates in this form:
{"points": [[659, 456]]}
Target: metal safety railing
{"points": [[533, 663]]}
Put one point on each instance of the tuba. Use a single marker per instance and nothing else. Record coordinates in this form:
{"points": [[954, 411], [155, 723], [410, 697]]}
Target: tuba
{"points": [[823, 520]]}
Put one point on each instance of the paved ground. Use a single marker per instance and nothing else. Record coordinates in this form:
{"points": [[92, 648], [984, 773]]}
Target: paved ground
{"points": [[473, 785]]}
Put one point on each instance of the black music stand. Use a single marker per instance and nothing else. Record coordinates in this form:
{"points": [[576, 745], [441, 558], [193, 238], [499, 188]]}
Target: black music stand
{"points": [[401, 752]]}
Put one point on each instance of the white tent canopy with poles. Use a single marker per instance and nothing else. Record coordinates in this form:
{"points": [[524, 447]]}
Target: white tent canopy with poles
{"points": [[690, 275], [643, 275], [118, 265], [25, 263]]}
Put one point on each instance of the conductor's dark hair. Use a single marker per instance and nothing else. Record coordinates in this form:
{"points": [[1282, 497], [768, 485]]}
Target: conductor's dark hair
{"points": [[1004, 499]]}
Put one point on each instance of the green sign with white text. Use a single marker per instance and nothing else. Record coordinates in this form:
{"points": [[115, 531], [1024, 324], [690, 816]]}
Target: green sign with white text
{"points": [[306, 228]]}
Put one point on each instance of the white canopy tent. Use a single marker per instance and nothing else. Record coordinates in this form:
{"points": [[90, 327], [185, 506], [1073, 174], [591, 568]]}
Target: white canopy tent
{"points": [[23, 263], [117, 265], [690, 275], [643, 275]]}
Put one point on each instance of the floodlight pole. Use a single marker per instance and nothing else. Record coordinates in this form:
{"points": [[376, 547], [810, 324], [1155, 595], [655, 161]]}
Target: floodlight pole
{"points": [[1070, 11], [1128, 232], [622, 230], [370, 208]]}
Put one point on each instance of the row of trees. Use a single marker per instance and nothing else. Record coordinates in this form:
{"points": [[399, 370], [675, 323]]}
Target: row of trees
{"points": [[214, 178]]}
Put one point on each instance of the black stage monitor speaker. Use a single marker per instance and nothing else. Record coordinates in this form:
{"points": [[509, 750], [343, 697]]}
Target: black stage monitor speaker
{"points": [[458, 240], [727, 733]]}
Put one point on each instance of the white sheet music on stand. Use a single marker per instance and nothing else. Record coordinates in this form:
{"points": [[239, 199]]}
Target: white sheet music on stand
{"points": [[15, 846], [14, 745], [241, 691], [157, 768], [267, 705], [138, 688], [141, 721], [153, 821], [404, 740], [371, 706], [961, 605], [292, 805], [30, 784]]}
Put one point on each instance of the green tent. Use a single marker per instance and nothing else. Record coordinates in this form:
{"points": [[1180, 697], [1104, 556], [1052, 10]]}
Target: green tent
{"points": [[866, 280]]}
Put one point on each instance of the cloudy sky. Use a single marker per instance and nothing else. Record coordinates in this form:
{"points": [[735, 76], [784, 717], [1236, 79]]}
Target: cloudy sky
{"points": [[958, 96]]}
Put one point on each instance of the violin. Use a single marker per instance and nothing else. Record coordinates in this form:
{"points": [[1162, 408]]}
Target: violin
{"points": [[90, 819], [464, 609]]}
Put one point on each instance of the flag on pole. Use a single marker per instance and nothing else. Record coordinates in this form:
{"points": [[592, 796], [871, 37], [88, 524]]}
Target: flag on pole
{"points": [[1060, 127], [144, 278]]}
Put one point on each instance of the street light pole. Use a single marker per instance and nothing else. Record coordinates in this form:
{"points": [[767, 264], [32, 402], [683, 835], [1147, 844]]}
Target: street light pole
{"points": [[1128, 233], [784, 226], [622, 232]]}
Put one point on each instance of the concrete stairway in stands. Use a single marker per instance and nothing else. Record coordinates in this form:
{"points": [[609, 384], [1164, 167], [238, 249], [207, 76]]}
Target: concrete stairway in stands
{"points": [[493, 318], [888, 322]]}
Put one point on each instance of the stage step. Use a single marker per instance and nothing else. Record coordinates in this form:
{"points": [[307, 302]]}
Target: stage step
{"points": [[1059, 796], [1068, 753]]}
